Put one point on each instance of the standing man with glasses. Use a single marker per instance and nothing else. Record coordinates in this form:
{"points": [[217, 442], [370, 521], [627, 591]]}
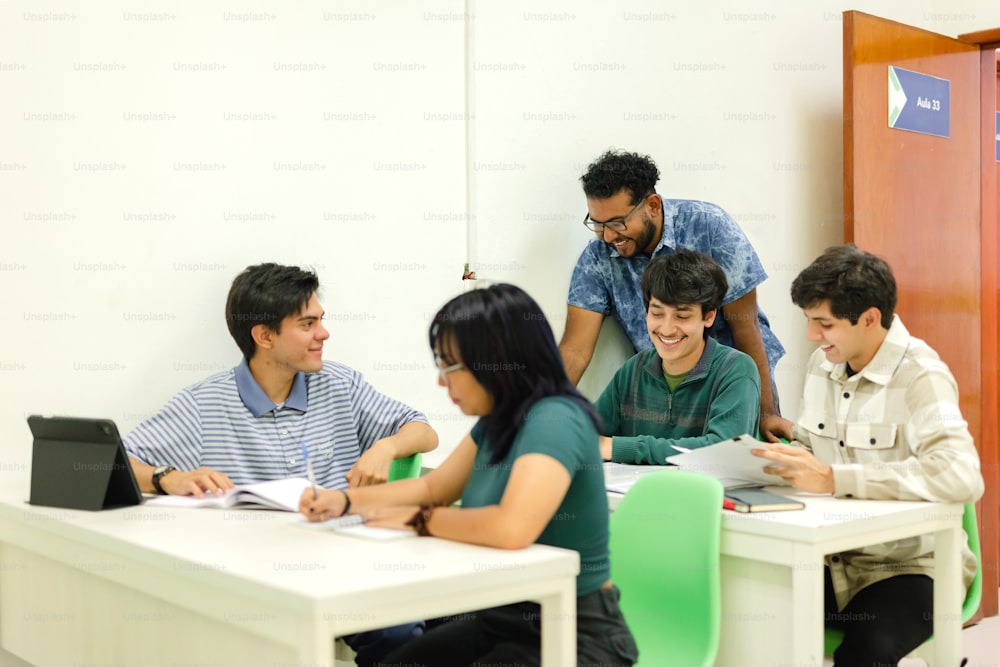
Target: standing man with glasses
{"points": [[634, 224]]}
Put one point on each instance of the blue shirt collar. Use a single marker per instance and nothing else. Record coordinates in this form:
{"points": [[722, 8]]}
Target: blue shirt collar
{"points": [[258, 402], [667, 239]]}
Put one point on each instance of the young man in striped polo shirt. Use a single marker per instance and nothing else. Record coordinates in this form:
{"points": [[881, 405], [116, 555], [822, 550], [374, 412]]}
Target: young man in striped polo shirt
{"points": [[252, 423]]}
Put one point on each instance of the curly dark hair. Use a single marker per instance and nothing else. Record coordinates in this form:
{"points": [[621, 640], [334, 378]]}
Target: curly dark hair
{"points": [[616, 170]]}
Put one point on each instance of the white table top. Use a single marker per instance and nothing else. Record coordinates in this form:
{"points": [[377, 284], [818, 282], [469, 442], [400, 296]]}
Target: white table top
{"points": [[826, 519], [298, 568]]}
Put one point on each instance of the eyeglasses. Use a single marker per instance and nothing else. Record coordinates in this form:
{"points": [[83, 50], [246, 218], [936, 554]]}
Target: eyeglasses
{"points": [[613, 225], [443, 372]]}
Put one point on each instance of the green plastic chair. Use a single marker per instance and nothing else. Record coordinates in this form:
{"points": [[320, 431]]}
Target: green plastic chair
{"points": [[665, 559], [833, 636], [405, 468]]}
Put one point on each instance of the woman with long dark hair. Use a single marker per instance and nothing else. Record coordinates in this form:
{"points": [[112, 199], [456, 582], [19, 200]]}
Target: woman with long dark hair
{"points": [[529, 472]]}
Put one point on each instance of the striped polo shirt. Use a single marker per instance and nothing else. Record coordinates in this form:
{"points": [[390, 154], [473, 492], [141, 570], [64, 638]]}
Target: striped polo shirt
{"points": [[227, 423]]}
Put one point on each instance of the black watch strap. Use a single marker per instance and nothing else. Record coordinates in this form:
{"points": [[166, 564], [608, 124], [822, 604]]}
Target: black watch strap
{"points": [[158, 474]]}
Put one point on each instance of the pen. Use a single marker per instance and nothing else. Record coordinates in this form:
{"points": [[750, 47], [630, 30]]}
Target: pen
{"points": [[309, 469]]}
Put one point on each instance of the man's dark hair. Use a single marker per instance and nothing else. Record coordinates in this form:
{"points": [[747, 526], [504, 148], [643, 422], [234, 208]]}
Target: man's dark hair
{"points": [[266, 294], [683, 279], [851, 279], [616, 170], [501, 335]]}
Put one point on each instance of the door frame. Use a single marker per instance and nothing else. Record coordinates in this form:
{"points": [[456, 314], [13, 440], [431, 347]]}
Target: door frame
{"points": [[987, 510], [989, 286]]}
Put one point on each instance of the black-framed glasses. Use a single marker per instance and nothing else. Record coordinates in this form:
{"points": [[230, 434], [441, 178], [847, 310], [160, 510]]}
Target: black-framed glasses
{"points": [[614, 225]]}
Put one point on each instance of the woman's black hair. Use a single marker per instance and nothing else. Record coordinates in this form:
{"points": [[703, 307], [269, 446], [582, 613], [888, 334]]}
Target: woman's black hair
{"points": [[504, 340]]}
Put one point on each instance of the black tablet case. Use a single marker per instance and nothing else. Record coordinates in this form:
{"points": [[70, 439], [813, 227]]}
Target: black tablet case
{"points": [[80, 463]]}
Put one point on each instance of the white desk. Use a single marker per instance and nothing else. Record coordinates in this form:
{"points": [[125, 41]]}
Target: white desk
{"points": [[772, 573], [209, 587]]}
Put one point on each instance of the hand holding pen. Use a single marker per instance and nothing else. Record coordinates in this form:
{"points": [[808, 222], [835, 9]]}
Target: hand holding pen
{"points": [[310, 473]]}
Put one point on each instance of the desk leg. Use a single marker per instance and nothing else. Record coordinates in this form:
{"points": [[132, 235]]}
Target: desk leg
{"points": [[559, 626], [316, 645], [807, 607], [947, 597]]}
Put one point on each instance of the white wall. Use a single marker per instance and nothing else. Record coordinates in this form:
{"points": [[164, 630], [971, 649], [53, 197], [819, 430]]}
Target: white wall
{"points": [[739, 103], [150, 151]]}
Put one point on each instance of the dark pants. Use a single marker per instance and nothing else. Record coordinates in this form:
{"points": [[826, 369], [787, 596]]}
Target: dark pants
{"points": [[511, 635], [372, 645], [884, 621]]}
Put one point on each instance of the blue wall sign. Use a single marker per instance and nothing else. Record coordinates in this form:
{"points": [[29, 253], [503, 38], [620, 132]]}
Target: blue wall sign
{"points": [[919, 102]]}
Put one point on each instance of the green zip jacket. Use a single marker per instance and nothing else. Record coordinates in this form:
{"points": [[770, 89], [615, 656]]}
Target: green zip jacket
{"points": [[718, 400]]}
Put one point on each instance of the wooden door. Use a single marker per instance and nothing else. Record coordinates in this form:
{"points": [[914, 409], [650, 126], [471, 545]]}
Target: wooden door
{"points": [[914, 198]]}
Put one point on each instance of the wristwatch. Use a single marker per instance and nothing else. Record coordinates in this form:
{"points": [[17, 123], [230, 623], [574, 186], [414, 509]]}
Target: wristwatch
{"points": [[158, 473]]}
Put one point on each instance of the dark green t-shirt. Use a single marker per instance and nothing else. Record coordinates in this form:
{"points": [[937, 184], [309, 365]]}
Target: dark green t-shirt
{"points": [[559, 428], [674, 381]]}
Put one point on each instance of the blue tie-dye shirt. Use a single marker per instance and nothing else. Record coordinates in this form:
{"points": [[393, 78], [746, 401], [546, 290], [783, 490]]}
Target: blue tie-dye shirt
{"points": [[607, 283]]}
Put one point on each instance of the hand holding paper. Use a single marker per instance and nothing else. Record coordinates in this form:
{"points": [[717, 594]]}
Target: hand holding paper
{"points": [[796, 466], [731, 461]]}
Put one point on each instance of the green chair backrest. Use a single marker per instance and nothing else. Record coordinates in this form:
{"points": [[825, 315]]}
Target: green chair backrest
{"points": [[833, 636], [975, 593], [405, 468], [665, 559]]}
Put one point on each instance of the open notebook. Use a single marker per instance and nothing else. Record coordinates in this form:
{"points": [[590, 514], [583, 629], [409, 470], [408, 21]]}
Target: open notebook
{"points": [[619, 477], [282, 494], [278, 494]]}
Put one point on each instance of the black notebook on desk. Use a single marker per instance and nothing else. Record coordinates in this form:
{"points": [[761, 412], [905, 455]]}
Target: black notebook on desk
{"points": [[756, 499]]}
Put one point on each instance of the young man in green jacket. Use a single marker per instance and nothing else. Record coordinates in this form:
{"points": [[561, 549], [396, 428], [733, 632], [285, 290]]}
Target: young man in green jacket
{"points": [[689, 390]]}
